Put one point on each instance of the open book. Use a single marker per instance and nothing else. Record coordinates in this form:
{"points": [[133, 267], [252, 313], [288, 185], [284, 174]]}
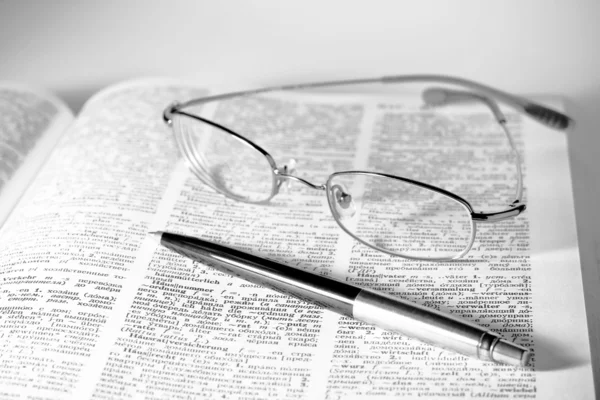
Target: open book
{"points": [[93, 308]]}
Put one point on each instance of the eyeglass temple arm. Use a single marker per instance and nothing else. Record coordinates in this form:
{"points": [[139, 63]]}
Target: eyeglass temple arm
{"points": [[542, 114]]}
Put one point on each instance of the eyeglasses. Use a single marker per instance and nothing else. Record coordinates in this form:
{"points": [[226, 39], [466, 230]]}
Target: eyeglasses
{"points": [[392, 214]]}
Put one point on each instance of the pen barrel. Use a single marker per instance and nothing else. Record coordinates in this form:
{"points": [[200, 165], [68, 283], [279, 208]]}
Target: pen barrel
{"points": [[321, 291], [385, 311], [436, 328]]}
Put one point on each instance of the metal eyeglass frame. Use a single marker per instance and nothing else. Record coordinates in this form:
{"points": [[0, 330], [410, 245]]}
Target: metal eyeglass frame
{"points": [[434, 96]]}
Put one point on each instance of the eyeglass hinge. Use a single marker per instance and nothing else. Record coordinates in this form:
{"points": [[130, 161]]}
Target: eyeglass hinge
{"points": [[168, 113], [499, 216]]}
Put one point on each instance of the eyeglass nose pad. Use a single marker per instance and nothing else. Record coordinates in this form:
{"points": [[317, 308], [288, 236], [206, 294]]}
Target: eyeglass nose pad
{"points": [[343, 205], [288, 169]]}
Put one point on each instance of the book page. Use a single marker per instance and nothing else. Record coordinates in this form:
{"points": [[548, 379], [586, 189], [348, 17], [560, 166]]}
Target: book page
{"points": [[118, 316], [31, 122], [68, 250]]}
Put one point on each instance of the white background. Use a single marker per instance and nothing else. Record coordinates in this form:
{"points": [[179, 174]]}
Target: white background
{"points": [[525, 47]]}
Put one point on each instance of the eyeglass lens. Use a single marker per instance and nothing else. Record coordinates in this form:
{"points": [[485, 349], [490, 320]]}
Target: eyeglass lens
{"points": [[226, 162], [399, 217]]}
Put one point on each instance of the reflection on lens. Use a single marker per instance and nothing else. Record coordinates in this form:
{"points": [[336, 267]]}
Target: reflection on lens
{"points": [[225, 162], [399, 217]]}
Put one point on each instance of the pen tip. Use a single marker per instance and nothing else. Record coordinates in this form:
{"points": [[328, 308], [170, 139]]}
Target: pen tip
{"points": [[526, 360], [506, 352], [157, 235]]}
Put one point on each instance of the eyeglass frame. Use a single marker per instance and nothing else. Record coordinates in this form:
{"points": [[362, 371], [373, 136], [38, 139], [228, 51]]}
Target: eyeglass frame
{"points": [[437, 96]]}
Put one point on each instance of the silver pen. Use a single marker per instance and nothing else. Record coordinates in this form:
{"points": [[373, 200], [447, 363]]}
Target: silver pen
{"points": [[374, 308]]}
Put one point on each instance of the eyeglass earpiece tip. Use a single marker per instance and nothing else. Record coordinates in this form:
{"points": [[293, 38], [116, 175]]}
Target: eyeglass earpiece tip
{"points": [[548, 117]]}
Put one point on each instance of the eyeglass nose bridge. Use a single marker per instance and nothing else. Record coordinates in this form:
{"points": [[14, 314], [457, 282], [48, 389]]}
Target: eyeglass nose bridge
{"points": [[283, 176], [288, 175]]}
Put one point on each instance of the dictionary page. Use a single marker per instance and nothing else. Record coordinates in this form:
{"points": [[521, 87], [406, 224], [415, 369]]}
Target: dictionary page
{"points": [[118, 316], [69, 248], [31, 122]]}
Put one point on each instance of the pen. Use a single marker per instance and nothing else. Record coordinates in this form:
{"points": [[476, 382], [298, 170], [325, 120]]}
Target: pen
{"points": [[374, 308]]}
